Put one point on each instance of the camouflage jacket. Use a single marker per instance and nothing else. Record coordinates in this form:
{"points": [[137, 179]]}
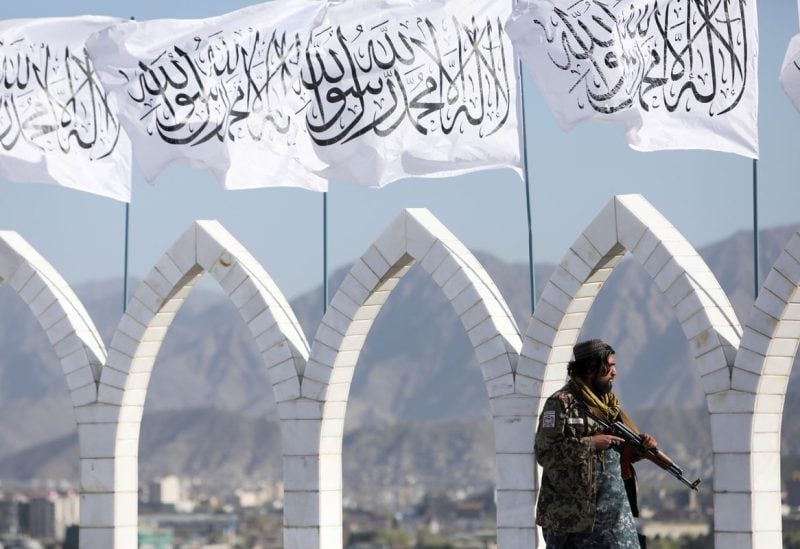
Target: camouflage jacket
{"points": [[566, 453]]}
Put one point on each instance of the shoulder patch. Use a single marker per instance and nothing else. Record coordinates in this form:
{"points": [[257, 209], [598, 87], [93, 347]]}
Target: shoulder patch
{"points": [[549, 419]]}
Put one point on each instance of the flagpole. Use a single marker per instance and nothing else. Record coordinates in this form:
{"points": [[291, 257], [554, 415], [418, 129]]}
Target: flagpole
{"points": [[526, 177], [756, 276], [125, 261], [324, 252], [531, 273]]}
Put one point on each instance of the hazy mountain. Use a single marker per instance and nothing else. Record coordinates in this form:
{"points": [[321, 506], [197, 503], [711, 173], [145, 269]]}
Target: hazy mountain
{"points": [[226, 450], [417, 364]]}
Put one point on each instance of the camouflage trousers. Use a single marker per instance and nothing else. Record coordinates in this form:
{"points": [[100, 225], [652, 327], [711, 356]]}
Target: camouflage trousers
{"points": [[614, 527]]}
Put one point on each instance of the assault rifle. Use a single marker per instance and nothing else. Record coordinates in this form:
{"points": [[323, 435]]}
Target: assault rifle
{"points": [[658, 457]]}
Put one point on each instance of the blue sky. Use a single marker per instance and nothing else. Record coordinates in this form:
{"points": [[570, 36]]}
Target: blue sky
{"points": [[706, 195]]}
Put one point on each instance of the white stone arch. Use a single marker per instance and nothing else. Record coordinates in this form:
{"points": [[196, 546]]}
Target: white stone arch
{"points": [[109, 503], [59, 312], [761, 373], [415, 235], [630, 223]]}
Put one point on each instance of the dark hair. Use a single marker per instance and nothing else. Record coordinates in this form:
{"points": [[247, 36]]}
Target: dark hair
{"points": [[593, 364]]}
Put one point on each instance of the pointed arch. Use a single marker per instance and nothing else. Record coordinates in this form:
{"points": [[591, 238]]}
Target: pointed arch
{"points": [[629, 223], [59, 312], [761, 373], [109, 507], [415, 235]]}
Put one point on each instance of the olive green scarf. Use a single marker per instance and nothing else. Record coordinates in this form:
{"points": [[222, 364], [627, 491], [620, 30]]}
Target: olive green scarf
{"points": [[607, 405]]}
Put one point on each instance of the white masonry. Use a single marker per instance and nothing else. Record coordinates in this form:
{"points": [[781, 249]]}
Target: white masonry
{"points": [[744, 373]]}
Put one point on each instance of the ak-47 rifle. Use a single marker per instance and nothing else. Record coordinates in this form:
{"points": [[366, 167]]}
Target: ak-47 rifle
{"points": [[618, 428]]}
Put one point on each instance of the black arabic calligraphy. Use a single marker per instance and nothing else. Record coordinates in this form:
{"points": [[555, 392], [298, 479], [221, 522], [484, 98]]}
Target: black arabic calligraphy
{"points": [[51, 99], [670, 54]]}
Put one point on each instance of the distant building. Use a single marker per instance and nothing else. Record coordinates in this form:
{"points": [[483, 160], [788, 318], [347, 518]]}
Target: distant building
{"points": [[165, 490], [48, 516]]}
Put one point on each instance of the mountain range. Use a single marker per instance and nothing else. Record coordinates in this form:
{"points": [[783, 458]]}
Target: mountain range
{"points": [[416, 375]]}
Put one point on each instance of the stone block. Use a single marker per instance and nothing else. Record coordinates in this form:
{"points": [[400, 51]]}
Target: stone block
{"points": [[524, 385], [496, 367], [467, 299], [301, 473], [767, 511], [301, 538], [769, 404], [515, 433], [630, 227], [779, 285], [97, 510], [770, 304], [711, 361], [354, 289], [731, 402], [730, 433], [778, 365], [731, 473], [364, 276], [732, 512], [577, 260], [300, 437], [602, 230], [645, 247], [787, 329], [556, 297], [515, 509], [766, 469], [717, 381], [301, 509], [742, 380], [286, 390], [300, 409], [732, 540], [500, 386], [330, 511], [391, 245], [375, 260], [565, 281], [98, 538], [657, 260], [419, 237], [767, 423], [515, 471], [514, 538], [783, 347], [788, 267], [277, 354], [457, 283]]}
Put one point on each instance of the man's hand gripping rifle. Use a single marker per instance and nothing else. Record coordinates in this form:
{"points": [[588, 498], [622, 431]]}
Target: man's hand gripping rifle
{"points": [[658, 457]]}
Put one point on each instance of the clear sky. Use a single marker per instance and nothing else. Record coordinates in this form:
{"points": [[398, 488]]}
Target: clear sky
{"points": [[706, 195]]}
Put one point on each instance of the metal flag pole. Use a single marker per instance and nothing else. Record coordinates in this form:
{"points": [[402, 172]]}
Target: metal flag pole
{"points": [[526, 176], [125, 261], [756, 276], [324, 252]]}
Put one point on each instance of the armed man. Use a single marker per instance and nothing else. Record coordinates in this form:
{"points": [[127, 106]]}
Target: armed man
{"points": [[583, 502]]}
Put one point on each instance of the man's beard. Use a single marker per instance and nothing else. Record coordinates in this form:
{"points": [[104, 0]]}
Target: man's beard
{"points": [[601, 388]]}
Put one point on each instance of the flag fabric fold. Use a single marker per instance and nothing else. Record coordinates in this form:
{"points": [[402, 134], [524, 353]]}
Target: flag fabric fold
{"points": [[221, 93], [56, 125], [412, 89], [678, 74]]}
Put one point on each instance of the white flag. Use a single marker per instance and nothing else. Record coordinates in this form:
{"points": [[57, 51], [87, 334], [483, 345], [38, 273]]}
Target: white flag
{"points": [[790, 72], [55, 121], [679, 74], [412, 88], [221, 92]]}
